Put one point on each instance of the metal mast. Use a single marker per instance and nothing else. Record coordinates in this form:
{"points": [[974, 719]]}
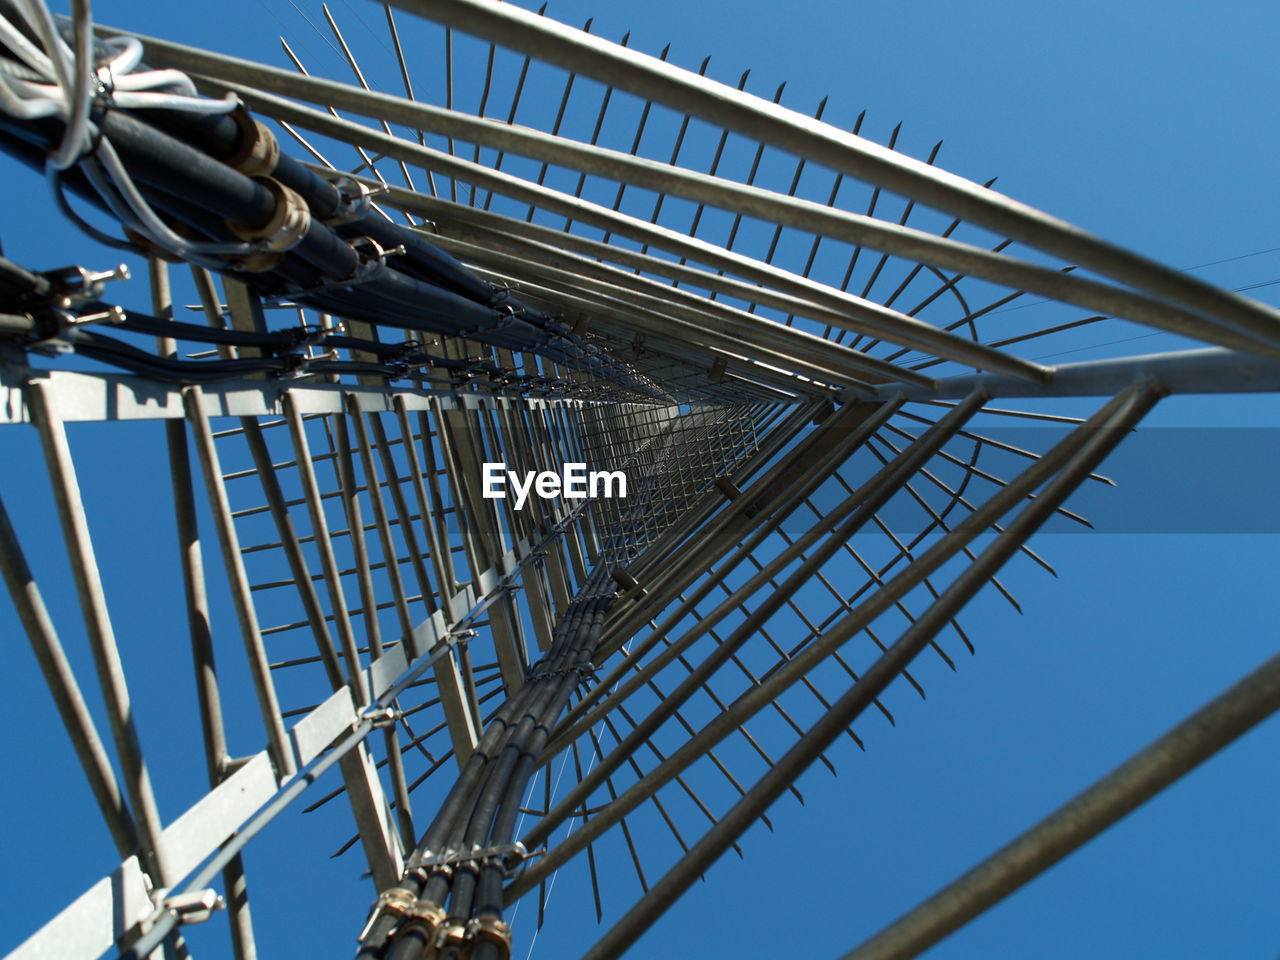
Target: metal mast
{"points": [[396, 299]]}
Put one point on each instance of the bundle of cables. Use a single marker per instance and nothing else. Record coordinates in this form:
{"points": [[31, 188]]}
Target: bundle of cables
{"points": [[202, 181]]}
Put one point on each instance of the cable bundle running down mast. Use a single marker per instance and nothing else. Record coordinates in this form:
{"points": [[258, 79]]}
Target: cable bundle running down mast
{"points": [[653, 441]]}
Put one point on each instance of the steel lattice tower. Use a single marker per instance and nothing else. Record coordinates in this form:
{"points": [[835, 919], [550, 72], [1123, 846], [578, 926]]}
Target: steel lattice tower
{"points": [[798, 381]]}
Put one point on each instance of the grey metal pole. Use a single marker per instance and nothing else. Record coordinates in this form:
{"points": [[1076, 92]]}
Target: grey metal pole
{"points": [[243, 944], [756, 697], [102, 640], [856, 313], [1208, 370], [64, 688], [255, 650], [1225, 718], [324, 545], [784, 210], [617, 685]]}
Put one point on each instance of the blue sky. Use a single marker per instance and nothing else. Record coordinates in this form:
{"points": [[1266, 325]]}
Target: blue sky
{"points": [[1152, 125]]}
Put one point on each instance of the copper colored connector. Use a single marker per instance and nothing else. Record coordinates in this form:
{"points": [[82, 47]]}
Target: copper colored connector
{"points": [[493, 930], [284, 229], [259, 151]]}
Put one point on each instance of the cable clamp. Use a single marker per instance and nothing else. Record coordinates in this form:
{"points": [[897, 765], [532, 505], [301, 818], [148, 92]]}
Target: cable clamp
{"points": [[284, 229], [452, 935], [371, 259], [373, 256], [299, 364], [259, 151], [355, 200], [382, 716], [194, 906], [110, 315], [507, 855], [491, 930], [306, 336], [504, 319], [72, 286], [583, 671], [408, 909]]}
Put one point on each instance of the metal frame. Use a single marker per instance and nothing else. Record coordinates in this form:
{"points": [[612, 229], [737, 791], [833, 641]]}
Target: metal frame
{"points": [[690, 614]]}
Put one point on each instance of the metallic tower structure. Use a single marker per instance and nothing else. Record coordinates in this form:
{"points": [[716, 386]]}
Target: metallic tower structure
{"points": [[777, 332]]}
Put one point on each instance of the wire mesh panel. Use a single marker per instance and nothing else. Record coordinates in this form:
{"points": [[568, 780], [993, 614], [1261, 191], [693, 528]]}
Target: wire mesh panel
{"points": [[581, 453]]}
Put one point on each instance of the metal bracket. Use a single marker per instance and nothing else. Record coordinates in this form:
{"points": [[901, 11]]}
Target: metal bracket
{"points": [[400, 903], [194, 906], [382, 716], [74, 285], [372, 259], [509, 855], [356, 200], [463, 636]]}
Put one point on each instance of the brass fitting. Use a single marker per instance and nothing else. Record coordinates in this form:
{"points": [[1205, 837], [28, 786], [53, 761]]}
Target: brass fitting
{"points": [[425, 916], [284, 229], [410, 911], [259, 151], [494, 931], [453, 934]]}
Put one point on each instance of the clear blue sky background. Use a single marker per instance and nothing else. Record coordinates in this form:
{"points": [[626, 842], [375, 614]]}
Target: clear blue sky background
{"points": [[1149, 123]]}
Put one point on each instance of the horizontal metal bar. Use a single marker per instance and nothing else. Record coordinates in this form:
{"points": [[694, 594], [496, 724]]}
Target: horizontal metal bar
{"points": [[1209, 370], [120, 396]]}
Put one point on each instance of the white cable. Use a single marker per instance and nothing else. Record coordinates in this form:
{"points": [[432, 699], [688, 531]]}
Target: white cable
{"points": [[127, 58], [150, 79], [38, 16], [166, 101], [32, 55], [76, 138], [61, 82], [21, 71], [26, 108], [156, 228]]}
